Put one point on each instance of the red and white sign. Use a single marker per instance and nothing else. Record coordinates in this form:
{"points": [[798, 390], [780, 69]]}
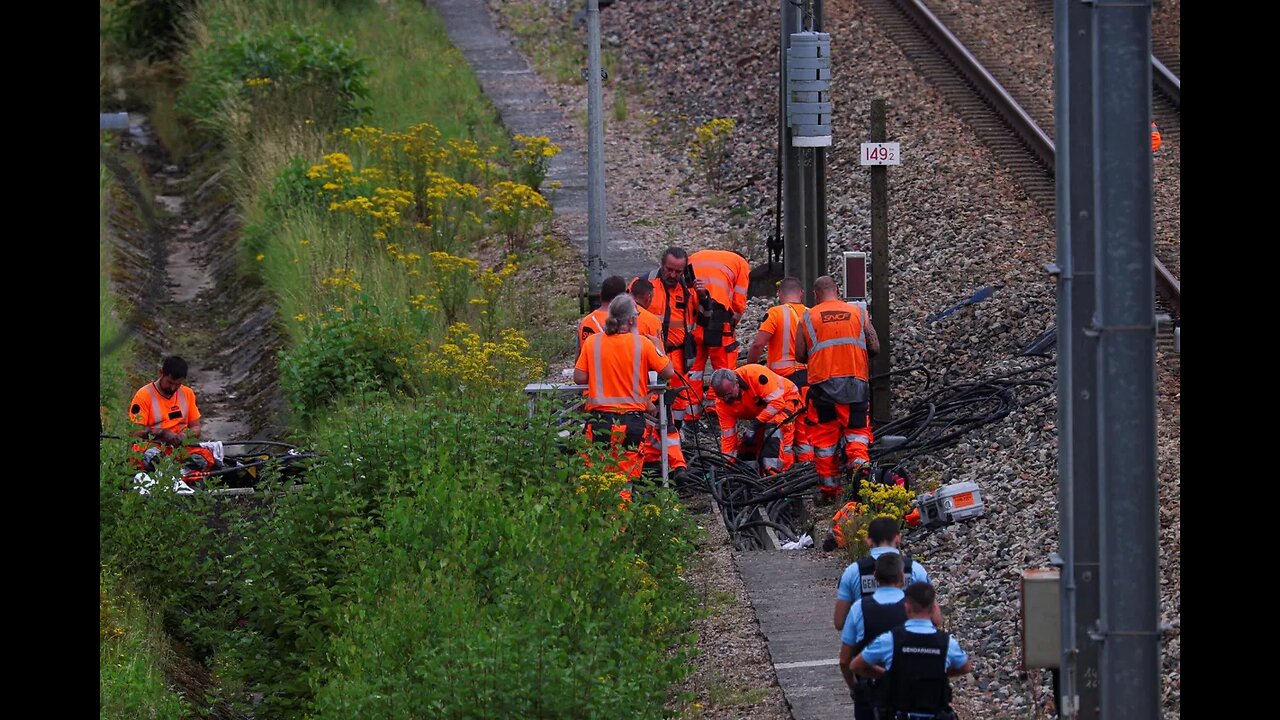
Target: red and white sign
{"points": [[881, 154]]}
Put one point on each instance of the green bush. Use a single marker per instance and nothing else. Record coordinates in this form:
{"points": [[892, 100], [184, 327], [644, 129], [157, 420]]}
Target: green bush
{"points": [[290, 191], [498, 585], [346, 350], [142, 28], [158, 541], [289, 574], [296, 72]]}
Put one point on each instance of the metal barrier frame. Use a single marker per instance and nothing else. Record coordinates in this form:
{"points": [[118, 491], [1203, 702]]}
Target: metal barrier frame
{"points": [[533, 390]]}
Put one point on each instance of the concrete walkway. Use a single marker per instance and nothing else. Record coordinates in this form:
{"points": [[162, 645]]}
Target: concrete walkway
{"points": [[526, 108], [792, 592]]}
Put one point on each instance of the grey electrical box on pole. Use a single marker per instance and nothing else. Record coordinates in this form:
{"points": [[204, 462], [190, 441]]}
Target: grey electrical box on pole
{"points": [[802, 137], [596, 220]]}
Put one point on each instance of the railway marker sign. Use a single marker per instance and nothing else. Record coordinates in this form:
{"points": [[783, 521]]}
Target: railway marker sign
{"points": [[881, 153]]}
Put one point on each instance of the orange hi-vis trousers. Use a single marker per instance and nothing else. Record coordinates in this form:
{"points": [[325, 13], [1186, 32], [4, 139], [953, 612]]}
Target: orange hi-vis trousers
{"points": [[681, 405], [651, 448], [651, 451], [720, 359], [624, 435], [778, 452], [803, 447], [825, 438]]}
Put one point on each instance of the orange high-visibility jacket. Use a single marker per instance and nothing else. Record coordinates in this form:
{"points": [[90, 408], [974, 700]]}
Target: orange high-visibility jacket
{"points": [[617, 368], [154, 411], [1156, 141], [783, 322], [591, 324], [767, 396], [837, 341], [727, 275], [648, 324], [675, 307]]}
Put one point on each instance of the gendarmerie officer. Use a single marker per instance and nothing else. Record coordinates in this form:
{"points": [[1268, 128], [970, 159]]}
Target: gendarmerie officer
{"points": [[870, 617], [913, 662], [858, 580]]}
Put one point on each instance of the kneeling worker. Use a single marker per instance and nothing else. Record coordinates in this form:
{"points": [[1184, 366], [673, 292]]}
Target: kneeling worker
{"points": [[754, 392]]}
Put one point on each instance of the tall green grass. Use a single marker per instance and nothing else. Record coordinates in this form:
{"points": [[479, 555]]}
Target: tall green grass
{"points": [[132, 646], [416, 76]]}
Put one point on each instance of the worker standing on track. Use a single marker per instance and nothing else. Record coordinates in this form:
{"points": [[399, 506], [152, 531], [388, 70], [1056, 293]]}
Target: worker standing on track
{"points": [[615, 366], [836, 342], [673, 302], [775, 344], [754, 392], [721, 279], [650, 326]]}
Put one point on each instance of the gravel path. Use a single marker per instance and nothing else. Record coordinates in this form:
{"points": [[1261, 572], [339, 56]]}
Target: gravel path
{"points": [[958, 223]]}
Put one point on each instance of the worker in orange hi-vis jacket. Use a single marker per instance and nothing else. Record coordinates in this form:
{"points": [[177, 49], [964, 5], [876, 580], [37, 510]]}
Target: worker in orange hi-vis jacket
{"points": [[166, 414], [615, 365], [721, 279], [836, 341], [1156, 140], [673, 302], [610, 288], [775, 345], [650, 326], [754, 392]]}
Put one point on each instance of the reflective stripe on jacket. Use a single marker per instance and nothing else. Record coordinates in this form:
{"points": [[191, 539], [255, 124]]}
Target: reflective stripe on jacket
{"points": [[837, 341]]}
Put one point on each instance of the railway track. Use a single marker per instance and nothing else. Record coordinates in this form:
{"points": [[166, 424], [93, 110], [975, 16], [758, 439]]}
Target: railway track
{"points": [[1009, 129]]}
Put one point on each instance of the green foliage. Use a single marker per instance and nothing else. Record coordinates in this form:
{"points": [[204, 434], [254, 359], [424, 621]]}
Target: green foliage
{"points": [[285, 69], [710, 148], [533, 157], [287, 579], [157, 540], [499, 586], [142, 28], [620, 104], [132, 651], [113, 390], [291, 190], [345, 350]]}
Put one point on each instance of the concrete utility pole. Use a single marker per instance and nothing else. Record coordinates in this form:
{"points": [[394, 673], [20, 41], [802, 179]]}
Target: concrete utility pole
{"points": [[597, 223], [1125, 322]]}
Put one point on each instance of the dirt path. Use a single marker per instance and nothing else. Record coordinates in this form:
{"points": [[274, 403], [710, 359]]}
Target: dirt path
{"points": [[220, 323]]}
